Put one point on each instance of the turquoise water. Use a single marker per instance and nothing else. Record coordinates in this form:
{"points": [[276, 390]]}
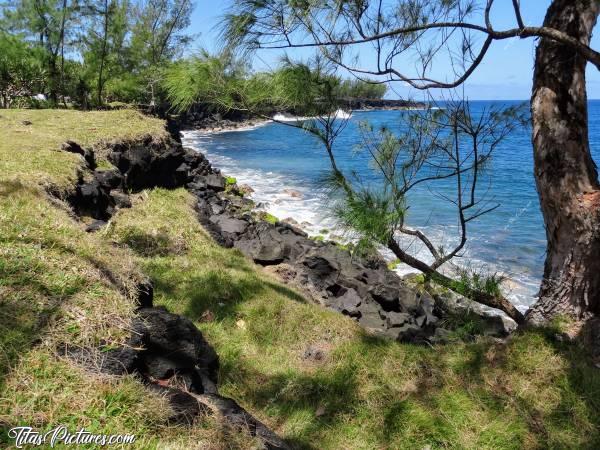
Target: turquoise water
{"points": [[285, 166]]}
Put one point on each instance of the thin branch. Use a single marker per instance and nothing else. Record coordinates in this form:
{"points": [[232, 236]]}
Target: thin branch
{"points": [[517, 8]]}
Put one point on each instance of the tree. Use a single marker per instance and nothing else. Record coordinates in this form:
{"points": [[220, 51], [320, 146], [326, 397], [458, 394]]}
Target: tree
{"points": [[438, 145], [363, 89], [108, 49], [566, 176], [47, 23], [105, 13], [104, 41], [210, 79], [444, 145], [447, 31], [158, 37], [21, 71]]}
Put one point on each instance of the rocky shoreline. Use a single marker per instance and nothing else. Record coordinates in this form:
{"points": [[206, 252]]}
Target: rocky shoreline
{"points": [[363, 289], [201, 120], [384, 104], [328, 273], [219, 125], [170, 354]]}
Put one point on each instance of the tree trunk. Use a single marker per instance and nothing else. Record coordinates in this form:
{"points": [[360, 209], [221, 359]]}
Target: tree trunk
{"points": [[62, 52], [104, 42], [565, 174], [53, 75]]}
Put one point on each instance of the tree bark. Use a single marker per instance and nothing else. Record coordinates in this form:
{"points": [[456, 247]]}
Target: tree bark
{"points": [[103, 57], [565, 174], [53, 75]]}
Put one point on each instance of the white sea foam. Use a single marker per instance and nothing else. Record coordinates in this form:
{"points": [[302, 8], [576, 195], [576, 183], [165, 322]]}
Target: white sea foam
{"points": [[285, 197], [399, 108], [341, 114], [274, 193], [207, 132], [283, 117]]}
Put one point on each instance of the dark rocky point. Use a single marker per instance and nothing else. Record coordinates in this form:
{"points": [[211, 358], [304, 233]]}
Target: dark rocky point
{"points": [[364, 289], [171, 354]]}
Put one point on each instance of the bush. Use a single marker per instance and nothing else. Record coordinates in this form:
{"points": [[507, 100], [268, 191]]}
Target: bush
{"points": [[478, 279]]}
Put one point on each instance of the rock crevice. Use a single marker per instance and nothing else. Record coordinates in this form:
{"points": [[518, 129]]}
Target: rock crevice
{"points": [[168, 352], [171, 356], [361, 288]]}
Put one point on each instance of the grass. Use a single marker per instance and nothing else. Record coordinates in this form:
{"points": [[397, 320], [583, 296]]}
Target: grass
{"points": [[392, 265], [31, 141], [531, 392], [59, 284], [268, 217], [470, 279]]}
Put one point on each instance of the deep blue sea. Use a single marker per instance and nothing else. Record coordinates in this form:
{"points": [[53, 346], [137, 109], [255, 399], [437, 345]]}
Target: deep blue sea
{"points": [[279, 162]]}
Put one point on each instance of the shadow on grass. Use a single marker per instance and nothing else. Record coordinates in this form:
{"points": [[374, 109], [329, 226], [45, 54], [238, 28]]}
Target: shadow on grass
{"points": [[10, 187], [28, 302], [22, 324], [504, 376], [212, 289], [454, 385], [313, 401], [149, 245], [32, 293]]}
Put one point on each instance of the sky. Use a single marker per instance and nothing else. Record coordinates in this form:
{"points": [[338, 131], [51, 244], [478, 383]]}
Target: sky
{"points": [[505, 74]]}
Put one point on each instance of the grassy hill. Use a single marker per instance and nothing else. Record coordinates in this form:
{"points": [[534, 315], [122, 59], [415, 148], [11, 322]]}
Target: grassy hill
{"points": [[312, 375]]}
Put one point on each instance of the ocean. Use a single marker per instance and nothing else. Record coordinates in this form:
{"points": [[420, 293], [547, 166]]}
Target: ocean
{"points": [[286, 166]]}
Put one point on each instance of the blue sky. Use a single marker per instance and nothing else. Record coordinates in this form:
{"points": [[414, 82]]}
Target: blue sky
{"points": [[505, 74]]}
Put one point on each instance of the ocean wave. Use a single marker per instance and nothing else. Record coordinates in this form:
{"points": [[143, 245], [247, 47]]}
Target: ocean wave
{"points": [[209, 132], [286, 197], [283, 117], [279, 195]]}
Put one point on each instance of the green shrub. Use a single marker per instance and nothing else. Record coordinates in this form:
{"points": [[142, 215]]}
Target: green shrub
{"points": [[473, 279], [267, 217], [393, 264], [118, 105]]}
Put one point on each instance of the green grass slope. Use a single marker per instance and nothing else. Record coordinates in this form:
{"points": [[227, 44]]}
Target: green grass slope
{"points": [[364, 393], [357, 393], [59, 284]]}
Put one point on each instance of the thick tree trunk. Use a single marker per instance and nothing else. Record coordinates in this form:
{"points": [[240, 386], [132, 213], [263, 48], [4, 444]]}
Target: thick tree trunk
{"points": [[566, 176]]}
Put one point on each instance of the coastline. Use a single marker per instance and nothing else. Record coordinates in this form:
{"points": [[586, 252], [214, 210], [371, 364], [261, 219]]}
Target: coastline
{"points": [[219, 125], [198, 119], [289, 199], [226, 125], [327, 272]]}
